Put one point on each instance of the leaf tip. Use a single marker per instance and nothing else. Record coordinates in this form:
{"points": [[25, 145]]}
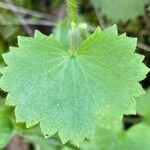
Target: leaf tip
{"points": [[98, 29], [112, 30], [38, 34]]}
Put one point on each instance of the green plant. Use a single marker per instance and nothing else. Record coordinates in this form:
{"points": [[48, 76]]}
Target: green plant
{"points": [[123, 10], [73, 87]]}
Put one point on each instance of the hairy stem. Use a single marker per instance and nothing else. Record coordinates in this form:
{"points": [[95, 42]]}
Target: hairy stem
{"points": [[71, 12], [73, 33]]}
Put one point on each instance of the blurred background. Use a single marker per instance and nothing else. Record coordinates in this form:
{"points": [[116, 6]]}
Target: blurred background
{"points": [[23, 17]]}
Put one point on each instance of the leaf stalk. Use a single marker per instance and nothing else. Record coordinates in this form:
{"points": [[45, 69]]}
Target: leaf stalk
{"points": [[73, 32]]}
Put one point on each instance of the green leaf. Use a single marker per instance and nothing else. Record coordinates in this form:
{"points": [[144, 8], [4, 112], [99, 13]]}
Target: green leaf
{"points": [[124, 10], [143, 106], [6, 126], [136, 137], [71, 92]]}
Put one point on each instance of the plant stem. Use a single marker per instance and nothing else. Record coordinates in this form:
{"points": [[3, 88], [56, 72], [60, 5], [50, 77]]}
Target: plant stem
{"points": [[73, 33], [71, 12]]}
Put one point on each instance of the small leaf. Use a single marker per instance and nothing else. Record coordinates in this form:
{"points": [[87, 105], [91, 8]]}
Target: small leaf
{"points": [[143, 106], [121, 9], [71, 92]]}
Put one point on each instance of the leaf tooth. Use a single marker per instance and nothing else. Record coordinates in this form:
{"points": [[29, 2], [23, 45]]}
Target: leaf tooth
{"points": [[3, 85], [11, 100], [19, 119], [63, 137], [142, 67], [4, 70], [31, 123], [98, 30], [139, 57], [131, 109], [140, 91], [6, 57], [12, 49], [24, 41], [76, 140], [48, 132], [133, 42], [39, 35], [130, 42], [113, 31], [143, 74], [123, 35], [146, 70]]}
